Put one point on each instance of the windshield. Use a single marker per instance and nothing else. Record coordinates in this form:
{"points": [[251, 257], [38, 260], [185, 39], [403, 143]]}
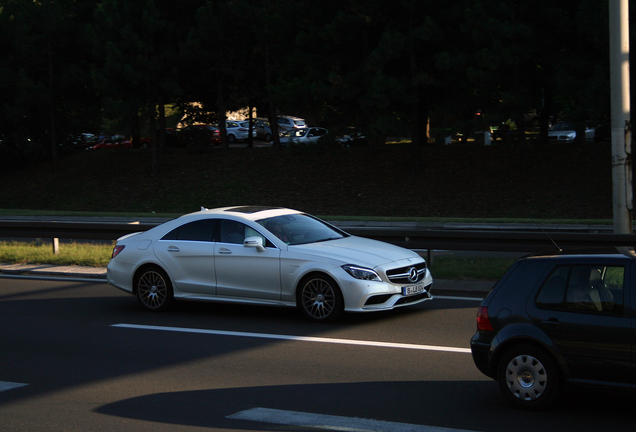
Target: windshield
{"points": [[298, 229], [562, 126], [296, 132]]}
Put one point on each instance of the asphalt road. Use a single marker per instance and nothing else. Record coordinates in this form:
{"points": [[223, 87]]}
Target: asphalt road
{"points": [[82, 356]]}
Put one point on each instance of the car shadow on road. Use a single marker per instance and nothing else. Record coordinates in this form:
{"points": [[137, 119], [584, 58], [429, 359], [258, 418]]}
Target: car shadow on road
{"points": [[467, 405]]}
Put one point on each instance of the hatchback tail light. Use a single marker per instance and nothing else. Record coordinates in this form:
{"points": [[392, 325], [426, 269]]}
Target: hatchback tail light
{"points": [[483, 322]]}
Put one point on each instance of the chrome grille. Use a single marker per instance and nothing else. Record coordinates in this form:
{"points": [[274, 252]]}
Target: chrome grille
{"points": [[400, 275]]}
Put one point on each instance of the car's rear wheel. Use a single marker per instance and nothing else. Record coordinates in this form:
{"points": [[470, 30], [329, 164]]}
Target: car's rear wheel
{"points": [[319, 298], [529, 377], [231, 139], [154, 290], [268, 137]]}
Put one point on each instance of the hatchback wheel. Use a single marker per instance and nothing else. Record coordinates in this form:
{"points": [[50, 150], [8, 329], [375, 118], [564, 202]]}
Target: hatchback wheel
{"points": [[320, 299], [154, 290], [528, 377]]}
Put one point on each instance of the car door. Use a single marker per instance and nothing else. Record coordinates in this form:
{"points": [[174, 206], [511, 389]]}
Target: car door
{"points": [[187, 252], [315, 134], [581, 309], [245, 271]]}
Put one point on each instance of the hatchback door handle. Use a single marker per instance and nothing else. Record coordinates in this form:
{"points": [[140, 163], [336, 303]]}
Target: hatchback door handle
{"points": [[225, 251], [552, 322], [173, 249]]}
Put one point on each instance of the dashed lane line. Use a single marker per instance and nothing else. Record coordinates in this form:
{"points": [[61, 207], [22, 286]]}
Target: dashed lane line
{"points": [[330, 422]]}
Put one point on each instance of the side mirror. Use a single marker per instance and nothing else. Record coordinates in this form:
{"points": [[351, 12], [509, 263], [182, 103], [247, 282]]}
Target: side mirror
{"points": [[255, 242]]}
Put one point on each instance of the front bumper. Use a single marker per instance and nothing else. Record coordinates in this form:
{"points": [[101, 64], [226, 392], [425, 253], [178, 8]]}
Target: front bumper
{"points": [[368, 296]]}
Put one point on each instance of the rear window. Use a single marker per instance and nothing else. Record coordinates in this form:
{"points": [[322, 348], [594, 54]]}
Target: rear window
{"points": [[201, 230]]}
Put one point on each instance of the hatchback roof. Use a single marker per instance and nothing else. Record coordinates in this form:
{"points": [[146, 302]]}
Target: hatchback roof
{"points": [[626, 251]]}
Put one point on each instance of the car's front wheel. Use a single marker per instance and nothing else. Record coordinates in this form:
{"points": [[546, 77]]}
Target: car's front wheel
{"points": [[154, 290], [529, 377], [320, 299]]}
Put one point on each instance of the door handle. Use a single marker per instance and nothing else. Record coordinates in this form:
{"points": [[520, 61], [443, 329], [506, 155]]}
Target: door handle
{"points": [[552, 322], [173, 249], [225, 251]]}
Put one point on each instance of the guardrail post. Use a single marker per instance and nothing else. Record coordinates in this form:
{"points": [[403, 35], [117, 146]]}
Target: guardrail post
{"points": [[56, 246]]}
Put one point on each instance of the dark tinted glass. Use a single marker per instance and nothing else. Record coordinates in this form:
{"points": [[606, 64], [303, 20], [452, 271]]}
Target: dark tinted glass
{"points": [[200, 230], [584, 288]]}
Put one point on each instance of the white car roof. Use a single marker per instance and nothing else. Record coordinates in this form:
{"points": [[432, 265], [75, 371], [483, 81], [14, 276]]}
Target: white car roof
{"points": [[246, 212]]}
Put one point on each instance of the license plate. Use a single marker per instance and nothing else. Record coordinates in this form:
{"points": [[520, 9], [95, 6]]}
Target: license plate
{"points": [[413, 289]]}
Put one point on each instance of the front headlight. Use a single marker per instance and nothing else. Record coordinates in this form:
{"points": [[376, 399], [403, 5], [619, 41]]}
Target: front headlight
{"points": [[361, 273]]}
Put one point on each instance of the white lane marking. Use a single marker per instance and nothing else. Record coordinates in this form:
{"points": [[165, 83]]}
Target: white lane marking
{"points": [[330, 422], [459, 298], [5, 385], [297, 338]]}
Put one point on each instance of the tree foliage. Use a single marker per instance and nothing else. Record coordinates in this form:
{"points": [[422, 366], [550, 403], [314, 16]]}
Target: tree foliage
{"points": [[72, 66]]}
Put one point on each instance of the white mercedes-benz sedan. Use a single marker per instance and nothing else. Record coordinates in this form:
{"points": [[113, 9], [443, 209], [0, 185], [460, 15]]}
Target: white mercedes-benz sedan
{"points": [[267, 256]]}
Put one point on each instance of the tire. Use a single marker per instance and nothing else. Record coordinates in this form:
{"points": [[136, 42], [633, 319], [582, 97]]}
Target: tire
{"points": [[154, 289], [320, 299], [528, 377], [231, 139], [268, 138]]}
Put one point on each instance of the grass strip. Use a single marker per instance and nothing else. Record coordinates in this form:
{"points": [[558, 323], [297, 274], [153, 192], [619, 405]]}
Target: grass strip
{"points": [[97, 255]]}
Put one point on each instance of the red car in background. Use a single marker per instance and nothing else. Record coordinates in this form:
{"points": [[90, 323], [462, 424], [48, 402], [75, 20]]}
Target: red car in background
{"points": [[171, 139], [112, 141], [197, 135]]}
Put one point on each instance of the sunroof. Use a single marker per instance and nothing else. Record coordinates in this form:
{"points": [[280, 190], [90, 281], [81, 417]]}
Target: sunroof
{"points": [[251, 209]]}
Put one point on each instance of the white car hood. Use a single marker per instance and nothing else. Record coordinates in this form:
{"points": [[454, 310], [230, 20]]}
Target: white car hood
{"points": [[359, 251]]}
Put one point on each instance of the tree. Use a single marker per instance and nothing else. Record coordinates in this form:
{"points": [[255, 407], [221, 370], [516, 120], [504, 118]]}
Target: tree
{"points": [[48, 94]]}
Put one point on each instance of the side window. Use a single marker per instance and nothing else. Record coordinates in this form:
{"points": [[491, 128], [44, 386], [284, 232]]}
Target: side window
{"points": [[552, 294], [232, 232], [584, 288], [200, 230]]}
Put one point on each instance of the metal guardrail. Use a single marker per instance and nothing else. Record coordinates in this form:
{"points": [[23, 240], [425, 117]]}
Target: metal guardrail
{"points": [[418, 236]]}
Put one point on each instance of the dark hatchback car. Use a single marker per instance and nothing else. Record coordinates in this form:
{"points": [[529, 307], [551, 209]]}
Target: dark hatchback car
{"points": [[557, 320]]}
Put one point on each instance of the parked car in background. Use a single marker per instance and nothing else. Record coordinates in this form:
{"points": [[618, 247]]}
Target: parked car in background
{"points": [[307, 135], [112, 141], [602, 132], [263, 129], [171, 139], [286, 123], [237, 130], [559, 319], [199, 136], [351, 137], [267, 256], [566, 132]]}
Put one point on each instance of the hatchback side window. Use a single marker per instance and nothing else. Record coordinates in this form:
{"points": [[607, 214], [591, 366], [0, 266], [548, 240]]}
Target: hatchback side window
{"points": [[584, 288], [200, 230]]}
